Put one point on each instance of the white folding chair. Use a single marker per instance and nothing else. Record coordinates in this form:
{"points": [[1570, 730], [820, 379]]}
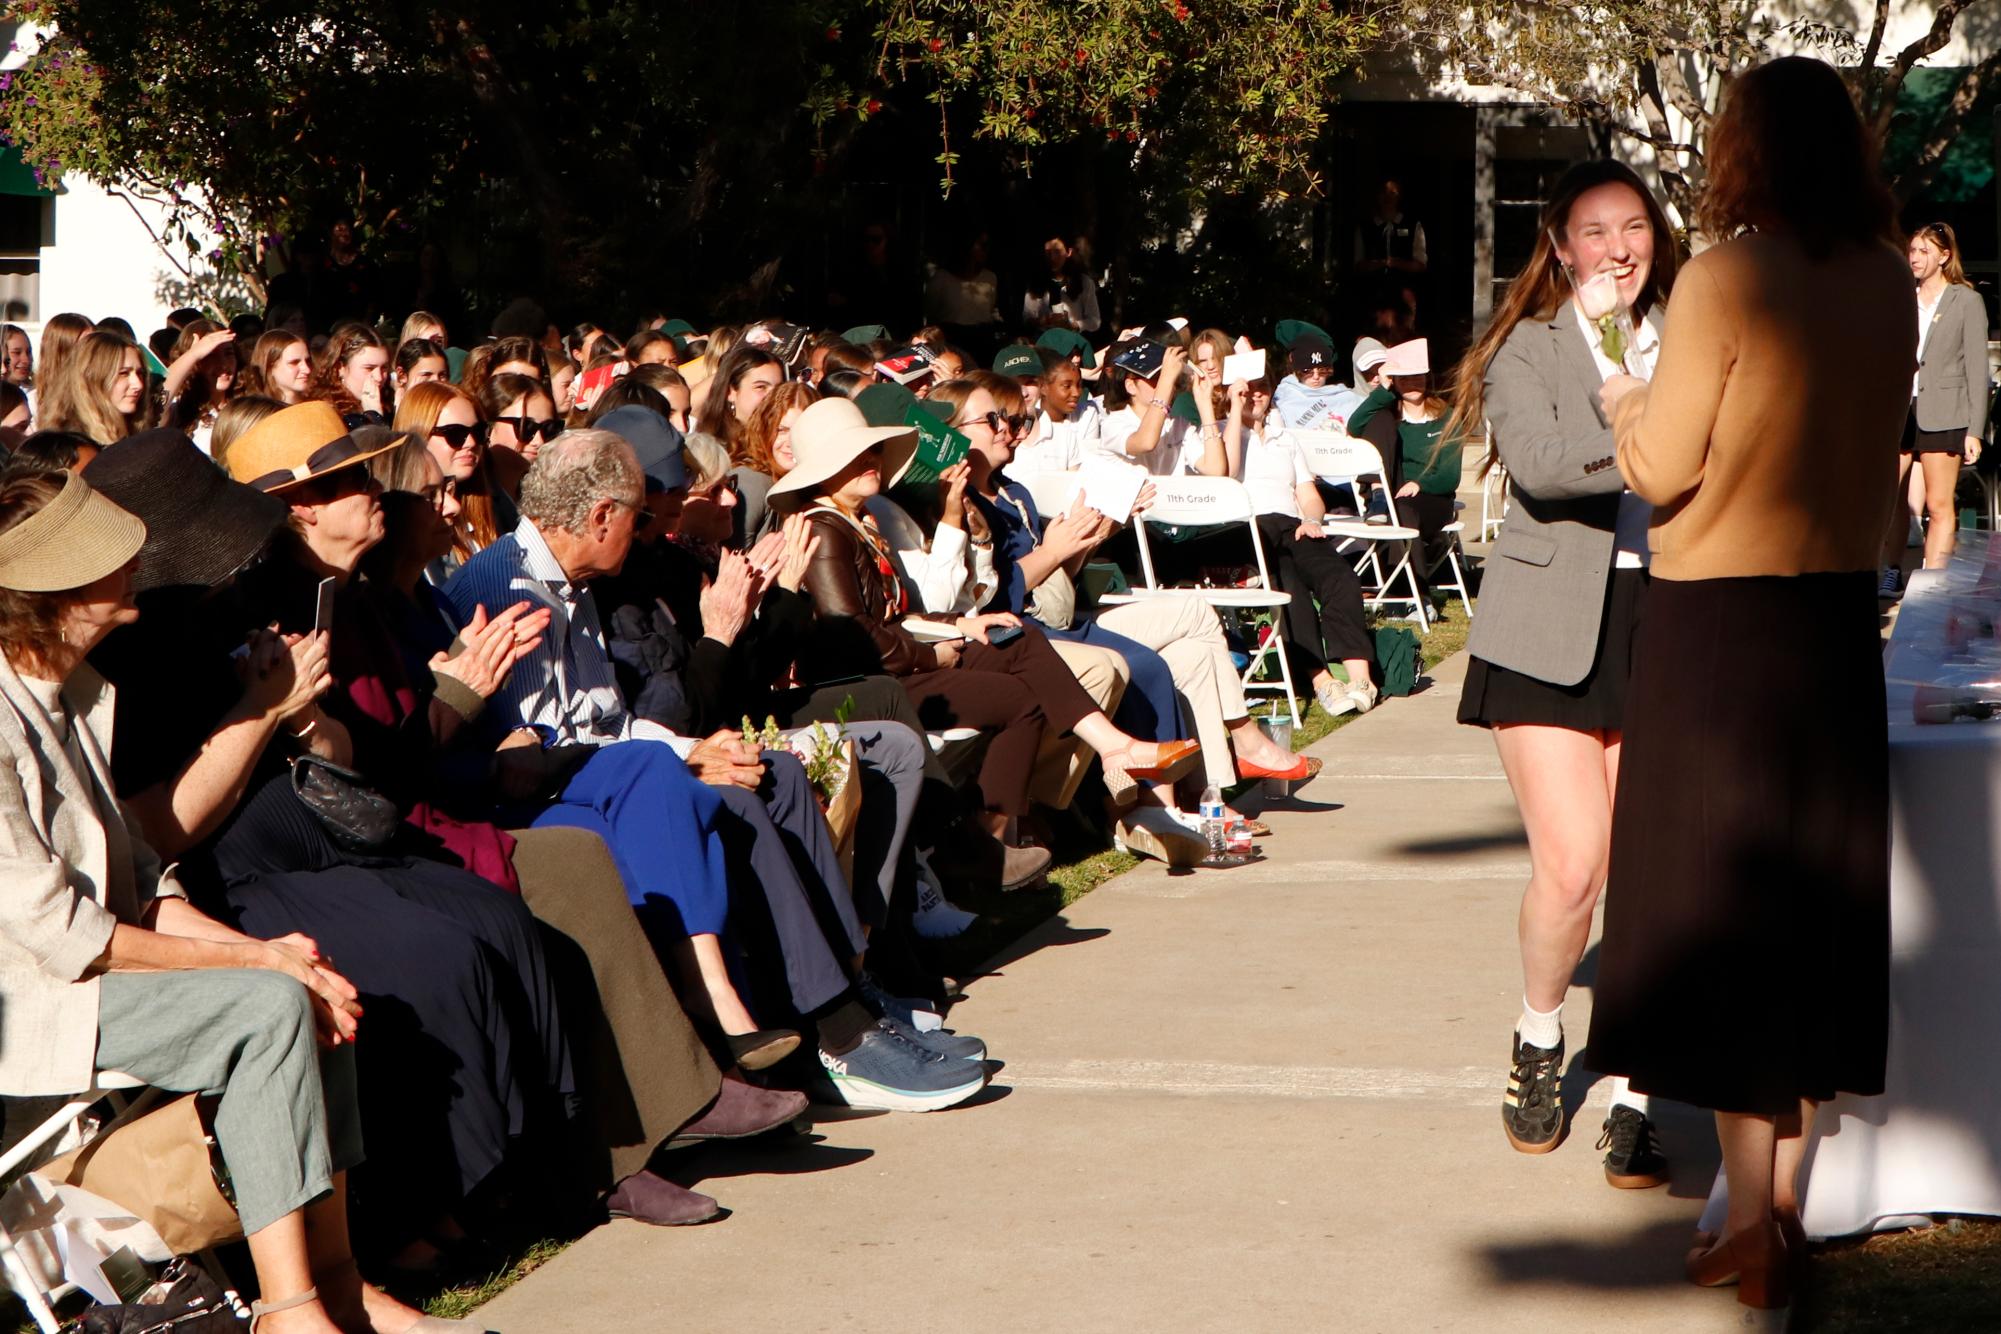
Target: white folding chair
{"points": [[1455, 549], [1192, 501], [1341, 459], [1493, 501], [21, 1274]]}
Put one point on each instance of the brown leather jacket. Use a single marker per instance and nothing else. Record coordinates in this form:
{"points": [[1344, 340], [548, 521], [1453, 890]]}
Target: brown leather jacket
{"points": [[857, 632]]}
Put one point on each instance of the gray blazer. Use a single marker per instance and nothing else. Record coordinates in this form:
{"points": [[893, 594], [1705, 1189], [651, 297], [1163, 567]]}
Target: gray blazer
{"points": [[71, 867], [1542, 593], [1953, 393]]}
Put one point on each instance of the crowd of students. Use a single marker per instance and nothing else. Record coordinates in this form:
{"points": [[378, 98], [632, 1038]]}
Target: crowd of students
{"points": [[601, 728]]}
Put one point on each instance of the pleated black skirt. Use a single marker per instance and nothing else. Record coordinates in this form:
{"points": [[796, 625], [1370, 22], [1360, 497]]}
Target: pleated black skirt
{"points": [[1745, 961], [1495, 695]]}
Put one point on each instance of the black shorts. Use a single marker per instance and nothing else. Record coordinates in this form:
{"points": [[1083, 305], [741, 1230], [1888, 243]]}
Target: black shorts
{"points": [[1916, 441]]}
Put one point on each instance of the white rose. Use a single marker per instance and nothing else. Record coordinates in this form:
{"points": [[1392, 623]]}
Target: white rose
{"points": [[1598, 296]]}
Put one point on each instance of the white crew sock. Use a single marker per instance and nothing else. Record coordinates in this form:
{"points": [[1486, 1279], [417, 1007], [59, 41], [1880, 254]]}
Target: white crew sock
{"points": [[1539, 1029], [1623, 1096]]}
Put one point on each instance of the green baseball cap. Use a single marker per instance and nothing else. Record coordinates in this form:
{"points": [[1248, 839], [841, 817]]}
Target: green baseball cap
{"points": [[1018, 360], [886, 404], [677, 328], [1291, 331], [864, 334], [1068, 343]]}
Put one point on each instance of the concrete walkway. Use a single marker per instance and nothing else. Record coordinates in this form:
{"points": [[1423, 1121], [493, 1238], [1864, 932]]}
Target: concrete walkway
{"points": [[1257, 1099]]}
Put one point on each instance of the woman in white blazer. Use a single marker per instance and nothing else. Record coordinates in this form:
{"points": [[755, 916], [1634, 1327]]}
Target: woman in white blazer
{"points": [[105, 965]]}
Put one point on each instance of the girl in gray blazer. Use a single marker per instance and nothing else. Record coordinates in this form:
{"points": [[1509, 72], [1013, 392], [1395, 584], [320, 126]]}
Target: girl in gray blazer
{"points": [[1560, 598], [1949, 396]]}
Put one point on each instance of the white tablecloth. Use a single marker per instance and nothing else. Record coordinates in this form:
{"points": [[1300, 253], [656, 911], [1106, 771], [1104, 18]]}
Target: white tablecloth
{"points": [[1931, 1144]]}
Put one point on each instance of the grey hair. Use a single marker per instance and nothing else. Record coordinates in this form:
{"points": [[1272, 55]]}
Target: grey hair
{"points": [[575, 471], [707, 458]]}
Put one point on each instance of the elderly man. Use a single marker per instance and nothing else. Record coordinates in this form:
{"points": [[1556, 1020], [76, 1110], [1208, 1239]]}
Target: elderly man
{"points": [[580, 504]]}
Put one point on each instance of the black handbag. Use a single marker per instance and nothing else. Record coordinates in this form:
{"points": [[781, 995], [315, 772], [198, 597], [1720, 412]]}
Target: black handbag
{"points": [[358, 817], [192, 1303]]}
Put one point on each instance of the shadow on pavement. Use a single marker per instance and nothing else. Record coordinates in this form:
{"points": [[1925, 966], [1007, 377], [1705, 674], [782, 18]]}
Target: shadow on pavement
{"points": [[1460, 844], [1645, 1257]]}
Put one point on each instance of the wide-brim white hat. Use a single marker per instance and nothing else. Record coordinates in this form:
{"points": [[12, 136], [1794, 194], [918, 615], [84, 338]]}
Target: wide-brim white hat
{"points": [[830, 435]]}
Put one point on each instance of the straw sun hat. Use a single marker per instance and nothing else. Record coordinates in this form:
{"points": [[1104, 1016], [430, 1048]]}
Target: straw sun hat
{"points": [[71, 542], [298, 444], [830, 435]]}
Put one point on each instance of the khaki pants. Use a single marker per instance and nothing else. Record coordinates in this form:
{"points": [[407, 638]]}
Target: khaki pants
{"points": [[1061, 763], [643, 1071], [1184, 631]]}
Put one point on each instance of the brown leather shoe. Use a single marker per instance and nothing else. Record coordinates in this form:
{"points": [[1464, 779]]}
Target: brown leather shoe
{"points": [[739, 1111], [647, 1198], [1021, 867]]}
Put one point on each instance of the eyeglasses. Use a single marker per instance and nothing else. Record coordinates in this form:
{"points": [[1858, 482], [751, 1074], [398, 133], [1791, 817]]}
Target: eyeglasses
{"points": [[456, 435], [642, 517], [993, 420], [526, 429]]}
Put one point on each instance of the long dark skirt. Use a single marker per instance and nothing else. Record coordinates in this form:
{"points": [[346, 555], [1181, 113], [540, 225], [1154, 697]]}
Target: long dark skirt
{"points": [[461, 1048], [1745, 962]]}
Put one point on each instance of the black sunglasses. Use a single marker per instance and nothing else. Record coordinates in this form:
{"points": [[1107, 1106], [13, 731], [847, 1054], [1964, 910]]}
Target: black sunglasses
{"points": [[456, 435], [526, 429], [994, 420]]}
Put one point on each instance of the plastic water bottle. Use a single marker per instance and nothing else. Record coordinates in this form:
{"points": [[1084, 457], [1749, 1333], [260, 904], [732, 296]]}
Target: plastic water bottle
{"points": [[1213, 828]]}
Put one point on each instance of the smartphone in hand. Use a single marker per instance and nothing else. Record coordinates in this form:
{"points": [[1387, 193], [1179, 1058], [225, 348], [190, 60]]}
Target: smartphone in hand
{"points": [[323, 606]]}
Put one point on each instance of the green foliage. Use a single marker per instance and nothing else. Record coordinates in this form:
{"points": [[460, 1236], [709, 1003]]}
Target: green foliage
{"points": [[1230, 90]]}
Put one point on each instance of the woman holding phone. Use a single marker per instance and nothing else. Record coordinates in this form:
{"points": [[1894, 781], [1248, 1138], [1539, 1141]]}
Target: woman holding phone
{"points": [[1551, 649]]}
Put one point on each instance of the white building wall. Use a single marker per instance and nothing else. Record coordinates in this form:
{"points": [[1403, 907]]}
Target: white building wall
{"points": [[104, 262]]}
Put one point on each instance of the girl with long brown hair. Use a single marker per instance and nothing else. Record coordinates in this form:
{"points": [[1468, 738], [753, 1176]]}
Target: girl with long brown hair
{"points": [[352, 375], [100, 391], [59, 338], [1561, 598], [280, 366], [1949, 397]]}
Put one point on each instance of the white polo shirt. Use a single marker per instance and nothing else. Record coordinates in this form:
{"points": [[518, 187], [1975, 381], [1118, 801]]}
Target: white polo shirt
{"points": [[1168, 458], [1059, 446], [1273, 467]]}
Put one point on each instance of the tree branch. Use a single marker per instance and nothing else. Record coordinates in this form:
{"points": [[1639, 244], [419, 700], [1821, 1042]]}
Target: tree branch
{"points": [[1893, 80], [1874, 46]]}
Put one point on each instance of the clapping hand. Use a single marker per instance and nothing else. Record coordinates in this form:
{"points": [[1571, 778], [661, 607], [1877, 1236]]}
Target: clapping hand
{"points": [[729, 599], [284, 675], [801, 541], [489, 647]]}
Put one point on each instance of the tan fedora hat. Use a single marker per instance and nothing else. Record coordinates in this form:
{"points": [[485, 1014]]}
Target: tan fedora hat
{"points": [[829, 436], [71, 542], [304, 441]]}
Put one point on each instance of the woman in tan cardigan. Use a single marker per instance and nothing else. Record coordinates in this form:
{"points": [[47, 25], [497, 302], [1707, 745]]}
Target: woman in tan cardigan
{"points": [[1745, 958], [105, 965]]}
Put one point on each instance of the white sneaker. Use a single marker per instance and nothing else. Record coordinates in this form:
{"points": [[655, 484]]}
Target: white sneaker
{"points": [[1364, 696], [1336, 698]]}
